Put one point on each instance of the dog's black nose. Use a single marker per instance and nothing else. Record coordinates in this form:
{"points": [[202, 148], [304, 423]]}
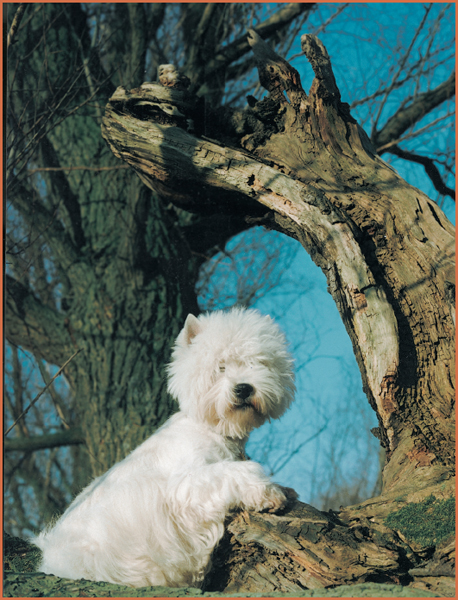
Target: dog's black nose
{"points": [[243, 390]]}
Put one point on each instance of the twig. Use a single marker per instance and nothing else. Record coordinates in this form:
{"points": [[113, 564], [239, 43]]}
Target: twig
{"points": [[42, 392], [386, 147], [15, 24], [299, 447], [401, 66]]}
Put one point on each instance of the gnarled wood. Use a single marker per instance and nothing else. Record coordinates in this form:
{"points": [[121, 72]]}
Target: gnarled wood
{"points": [[301, 164]]}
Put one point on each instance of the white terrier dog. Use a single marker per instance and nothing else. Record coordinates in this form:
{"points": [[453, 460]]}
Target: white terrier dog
{"points": [[155, 517]]}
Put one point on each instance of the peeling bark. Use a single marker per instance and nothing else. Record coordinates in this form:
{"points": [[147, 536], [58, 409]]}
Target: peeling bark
{"points": [[299, 163]]}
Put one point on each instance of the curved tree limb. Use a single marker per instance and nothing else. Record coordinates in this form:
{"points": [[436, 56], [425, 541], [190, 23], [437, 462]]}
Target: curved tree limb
{"points": [[192, 172], [203, 176], [308, 170]]}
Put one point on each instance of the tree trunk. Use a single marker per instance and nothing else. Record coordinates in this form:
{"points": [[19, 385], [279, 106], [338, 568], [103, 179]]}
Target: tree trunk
{"points": [[124, 312], [128, 315], [127, 275], [300, 164]]}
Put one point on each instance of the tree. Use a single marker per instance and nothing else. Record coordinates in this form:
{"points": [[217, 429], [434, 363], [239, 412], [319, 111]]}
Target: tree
{"points": [[296, 163], [96, 262], [302, 165]]}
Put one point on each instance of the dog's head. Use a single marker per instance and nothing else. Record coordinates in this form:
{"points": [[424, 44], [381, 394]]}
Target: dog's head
{"points": [[232, 370]]}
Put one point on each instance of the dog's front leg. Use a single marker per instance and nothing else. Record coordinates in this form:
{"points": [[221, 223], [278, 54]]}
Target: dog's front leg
{"points": [[210, 492]]}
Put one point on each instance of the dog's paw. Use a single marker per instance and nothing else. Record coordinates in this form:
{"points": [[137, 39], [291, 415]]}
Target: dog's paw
{"points": [[290, 494], [273, 499]]}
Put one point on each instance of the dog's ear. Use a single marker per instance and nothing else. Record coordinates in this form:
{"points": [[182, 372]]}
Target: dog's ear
{"points": [[191, 328]]}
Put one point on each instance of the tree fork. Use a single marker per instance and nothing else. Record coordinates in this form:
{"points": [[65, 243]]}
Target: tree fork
{"points": [[302, 163]]}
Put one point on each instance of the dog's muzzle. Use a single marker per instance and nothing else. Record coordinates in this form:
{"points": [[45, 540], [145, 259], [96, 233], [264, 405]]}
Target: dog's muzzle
{"points": [[243, 393]]}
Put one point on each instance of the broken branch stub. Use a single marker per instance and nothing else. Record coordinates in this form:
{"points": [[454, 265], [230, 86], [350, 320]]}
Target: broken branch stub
{"points": [[318, 57], [276, 75]]}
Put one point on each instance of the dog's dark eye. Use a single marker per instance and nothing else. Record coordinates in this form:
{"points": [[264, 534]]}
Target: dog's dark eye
{"points": [[222, 368]]}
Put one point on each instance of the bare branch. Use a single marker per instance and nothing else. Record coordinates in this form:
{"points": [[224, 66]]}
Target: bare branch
{"points": [[270, 26], [401, 66], [59, 405], [431, 170], [383, 89], [34, 401], [279, 467], [407, 117], [415, 133], [39, 442]]}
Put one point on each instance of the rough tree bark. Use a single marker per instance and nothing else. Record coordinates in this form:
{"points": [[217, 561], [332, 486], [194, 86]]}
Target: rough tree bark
{"points": [[300, 164], [119, 303], [120, 317]]}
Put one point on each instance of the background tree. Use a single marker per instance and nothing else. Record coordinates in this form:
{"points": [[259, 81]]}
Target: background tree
{"points": [[125, 262], [95, 261]]}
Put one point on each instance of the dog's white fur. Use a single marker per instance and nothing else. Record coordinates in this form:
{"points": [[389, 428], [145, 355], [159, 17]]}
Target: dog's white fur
{"points": [[155, 517]]}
